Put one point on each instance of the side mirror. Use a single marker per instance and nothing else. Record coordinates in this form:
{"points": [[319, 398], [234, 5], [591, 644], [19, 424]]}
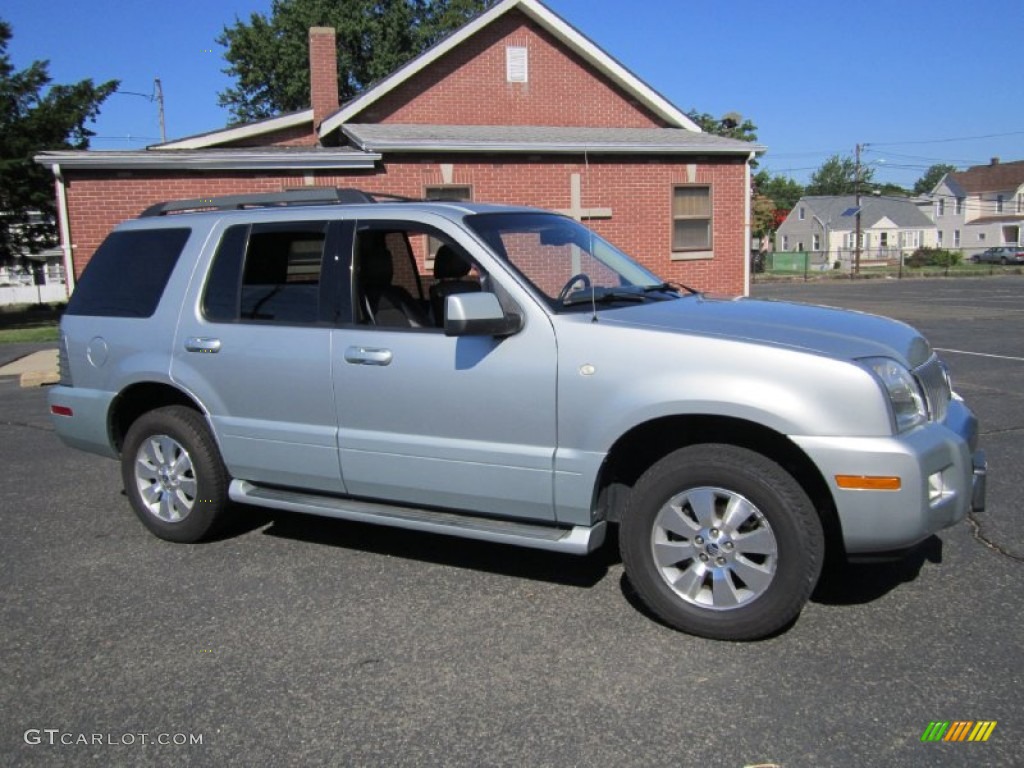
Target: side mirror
{"points": [[478, 314]]}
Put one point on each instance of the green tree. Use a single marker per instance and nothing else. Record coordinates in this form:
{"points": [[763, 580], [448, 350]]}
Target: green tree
{"points": [[931, 177], [269, 56], [731, 125], [36, 116], [782, 190], [838, 176]]}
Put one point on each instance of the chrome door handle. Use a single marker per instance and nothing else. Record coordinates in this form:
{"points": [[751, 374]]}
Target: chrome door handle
{"points": [[367, 356], [201, 344]]}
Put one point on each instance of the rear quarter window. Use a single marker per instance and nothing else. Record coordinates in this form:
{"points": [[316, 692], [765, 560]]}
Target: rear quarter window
{"points": [[128, 273]]}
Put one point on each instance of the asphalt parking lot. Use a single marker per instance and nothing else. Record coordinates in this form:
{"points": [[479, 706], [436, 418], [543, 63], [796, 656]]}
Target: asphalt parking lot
{"points": [[301, 641]]}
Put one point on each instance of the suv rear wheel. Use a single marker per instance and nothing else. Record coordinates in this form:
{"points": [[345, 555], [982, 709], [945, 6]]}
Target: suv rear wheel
{"points": [[721, 542], [173, 474]]}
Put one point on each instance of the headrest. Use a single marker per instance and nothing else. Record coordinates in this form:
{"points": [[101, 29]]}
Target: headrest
{"points": [[449, 264], [377, 269]]}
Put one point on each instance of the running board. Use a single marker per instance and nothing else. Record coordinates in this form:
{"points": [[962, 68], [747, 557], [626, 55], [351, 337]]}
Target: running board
{"points": [[578, 540]]}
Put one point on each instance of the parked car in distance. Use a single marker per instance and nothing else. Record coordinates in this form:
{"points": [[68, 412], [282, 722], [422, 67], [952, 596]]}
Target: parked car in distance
{"points": [[1003, 254], [506, 375]]}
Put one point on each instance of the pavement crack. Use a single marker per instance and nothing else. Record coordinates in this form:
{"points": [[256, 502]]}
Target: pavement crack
{"points": [[1006, 431], [26, 425], [988, 543]]}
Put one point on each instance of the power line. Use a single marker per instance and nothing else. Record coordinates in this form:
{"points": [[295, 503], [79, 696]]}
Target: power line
{"points": [[945, 141]]}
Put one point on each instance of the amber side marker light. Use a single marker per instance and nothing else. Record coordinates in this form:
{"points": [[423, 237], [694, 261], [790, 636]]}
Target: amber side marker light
{"points": [[61, 410], [868, 483]]}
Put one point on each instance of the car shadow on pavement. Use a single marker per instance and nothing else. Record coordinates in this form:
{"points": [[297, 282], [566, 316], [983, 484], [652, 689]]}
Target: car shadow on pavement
{"points": [[488, 557], [858, 583]]}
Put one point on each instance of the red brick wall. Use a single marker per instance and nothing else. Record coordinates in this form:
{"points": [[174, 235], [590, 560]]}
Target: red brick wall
{"points": [[638, 192], [468, 87], [296, 136]]}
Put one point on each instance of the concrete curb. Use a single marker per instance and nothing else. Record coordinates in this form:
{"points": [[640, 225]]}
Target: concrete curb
{"points": [[34, 369]]}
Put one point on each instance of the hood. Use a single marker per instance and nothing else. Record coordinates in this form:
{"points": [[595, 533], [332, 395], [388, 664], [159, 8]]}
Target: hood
{"points": [[838, 333]]}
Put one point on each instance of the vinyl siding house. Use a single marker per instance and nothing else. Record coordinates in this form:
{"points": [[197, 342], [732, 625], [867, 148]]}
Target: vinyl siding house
{"points": [[825, 227], [981, 207], [516, 107]]}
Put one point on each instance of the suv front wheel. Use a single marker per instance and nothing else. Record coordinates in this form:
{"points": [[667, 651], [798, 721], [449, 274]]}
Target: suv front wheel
{"points": [[173, 474], [721, 542]]}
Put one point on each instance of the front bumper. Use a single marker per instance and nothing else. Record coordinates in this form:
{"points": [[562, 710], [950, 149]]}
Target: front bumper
{"points": [[942, 477]]}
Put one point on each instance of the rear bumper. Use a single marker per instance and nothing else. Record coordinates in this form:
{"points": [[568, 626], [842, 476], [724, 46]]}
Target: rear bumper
{"points": [[942, 477], [87, 427]]}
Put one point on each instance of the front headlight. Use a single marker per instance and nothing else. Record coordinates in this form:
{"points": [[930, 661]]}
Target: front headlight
{"points": [[908, 404]]}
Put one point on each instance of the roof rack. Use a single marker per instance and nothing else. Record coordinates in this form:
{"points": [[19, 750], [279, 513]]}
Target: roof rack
{"points": [[288, 197]]}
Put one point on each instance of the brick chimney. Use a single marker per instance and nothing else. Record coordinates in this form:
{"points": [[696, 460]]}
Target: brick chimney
{"points": [[323, 73]]}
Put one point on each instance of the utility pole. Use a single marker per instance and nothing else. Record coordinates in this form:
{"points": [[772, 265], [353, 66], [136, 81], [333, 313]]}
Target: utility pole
{"points": [[856, 191], [158, 93]]}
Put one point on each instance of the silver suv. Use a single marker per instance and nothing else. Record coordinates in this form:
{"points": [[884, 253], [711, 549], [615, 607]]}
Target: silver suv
{"points": [[532, 386]]}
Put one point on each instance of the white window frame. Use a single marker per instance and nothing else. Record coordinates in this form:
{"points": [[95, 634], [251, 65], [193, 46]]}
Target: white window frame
{"points": [[940, 208]]}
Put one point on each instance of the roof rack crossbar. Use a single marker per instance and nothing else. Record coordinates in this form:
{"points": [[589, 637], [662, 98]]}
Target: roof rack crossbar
{"points": [[290, 197]]}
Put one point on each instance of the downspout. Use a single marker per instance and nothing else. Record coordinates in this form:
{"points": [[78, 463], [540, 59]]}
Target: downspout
{"points": [[65, 230], [746, 226]]}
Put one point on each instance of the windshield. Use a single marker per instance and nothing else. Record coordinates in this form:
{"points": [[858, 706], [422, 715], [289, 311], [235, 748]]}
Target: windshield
{"points": [[569, 265]]}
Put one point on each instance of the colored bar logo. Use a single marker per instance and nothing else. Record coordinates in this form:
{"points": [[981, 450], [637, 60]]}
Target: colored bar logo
{"points": [[958, 730]]}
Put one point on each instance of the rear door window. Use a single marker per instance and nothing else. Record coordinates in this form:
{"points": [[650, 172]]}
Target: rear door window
{"points": [[271, 273]]}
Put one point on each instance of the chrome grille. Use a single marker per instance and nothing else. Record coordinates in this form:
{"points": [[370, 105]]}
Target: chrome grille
{"points": [[935, 383]]}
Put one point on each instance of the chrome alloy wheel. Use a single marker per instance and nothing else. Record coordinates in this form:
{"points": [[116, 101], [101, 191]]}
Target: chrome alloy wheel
{"points": [[165, 478], [714, 548]]}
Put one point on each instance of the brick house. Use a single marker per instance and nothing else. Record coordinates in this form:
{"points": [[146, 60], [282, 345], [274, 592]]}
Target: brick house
{"points": [[514, 107]]}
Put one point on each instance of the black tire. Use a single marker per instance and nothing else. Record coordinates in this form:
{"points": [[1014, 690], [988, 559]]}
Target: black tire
{"points": [[739, 550], [173, 474]]}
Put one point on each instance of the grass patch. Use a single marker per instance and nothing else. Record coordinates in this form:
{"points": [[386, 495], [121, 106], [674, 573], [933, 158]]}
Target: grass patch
{"points": [[29, 323], [20, 335]]}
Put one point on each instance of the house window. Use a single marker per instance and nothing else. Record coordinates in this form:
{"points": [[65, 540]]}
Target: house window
{"points": [[911, 239], [940, 208], [691, 218], [959, 206], [999, 203], [785, 242], [956, 238], [883, 239], [981, 237], [451, 193], [1020, 202], [803, 213], [516, 62], [815, 242], [938, 238]]}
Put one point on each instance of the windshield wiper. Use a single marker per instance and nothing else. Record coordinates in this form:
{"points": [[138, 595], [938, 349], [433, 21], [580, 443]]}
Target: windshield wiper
{"points": [[675, 287], [602, 296]]}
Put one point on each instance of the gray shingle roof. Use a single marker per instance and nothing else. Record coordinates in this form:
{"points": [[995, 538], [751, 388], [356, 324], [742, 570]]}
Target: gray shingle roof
{"points": [[386, 137], [903, 213]]}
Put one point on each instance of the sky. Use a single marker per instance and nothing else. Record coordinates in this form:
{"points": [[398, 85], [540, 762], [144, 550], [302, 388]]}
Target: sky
{"points": [[918, 82]]}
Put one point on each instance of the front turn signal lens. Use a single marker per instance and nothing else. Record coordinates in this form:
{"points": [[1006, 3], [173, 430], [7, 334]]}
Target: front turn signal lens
{"points": [[868, 482]]}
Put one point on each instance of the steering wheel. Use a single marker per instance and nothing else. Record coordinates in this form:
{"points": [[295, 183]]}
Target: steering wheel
{"points": [[578, 277]]}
